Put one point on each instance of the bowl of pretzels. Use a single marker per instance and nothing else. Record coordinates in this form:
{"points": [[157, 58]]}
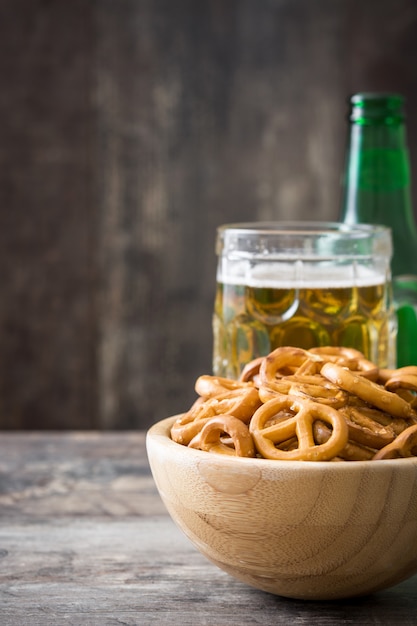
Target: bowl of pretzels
{"points": [[300, 478]]}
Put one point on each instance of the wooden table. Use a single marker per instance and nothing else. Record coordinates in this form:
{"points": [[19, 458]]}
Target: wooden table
{"points": [[86, 540]]}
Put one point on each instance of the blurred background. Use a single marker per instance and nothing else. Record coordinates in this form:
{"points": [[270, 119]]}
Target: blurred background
{"points": [[130, 129]]}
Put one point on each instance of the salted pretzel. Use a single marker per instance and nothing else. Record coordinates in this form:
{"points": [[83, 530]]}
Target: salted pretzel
{"points": [[322, 404], [356, 452], [405, 385], [186, 427], [351, 358], [309, 367], [241, 403], [267, 393], [297, 421], [402, 381], [405, 445], [366, 431], [353, 451], [396, 424], [368, 391], [316, 388], [250, 371], [209, 438], [385, 374], [282, 362], [209, 386]]}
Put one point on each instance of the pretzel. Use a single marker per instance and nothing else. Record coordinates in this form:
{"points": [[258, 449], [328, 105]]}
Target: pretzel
{"points": [[367, 390], [385, 374], [241, 403], [397, 424], [402, 381], [322, 404], [281, 362], [266, 393], [303, 414], [186, 427], [366, 431], [405, 445], [309, 367], [316, 388], [311, 387], [251, 370], [348, 357], [405, 385], [356, 452], [209, 438], [209, 386], [353, 451]]}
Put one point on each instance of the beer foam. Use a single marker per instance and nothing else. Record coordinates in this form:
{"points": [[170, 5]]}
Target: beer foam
{"points": [[322, 275]]}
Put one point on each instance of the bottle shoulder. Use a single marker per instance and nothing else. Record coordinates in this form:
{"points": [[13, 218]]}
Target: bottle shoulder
{"points": [[404, 237]]}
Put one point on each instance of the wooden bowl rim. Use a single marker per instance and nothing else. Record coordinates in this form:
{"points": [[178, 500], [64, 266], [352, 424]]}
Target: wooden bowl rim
{"points": [[159, 434]]}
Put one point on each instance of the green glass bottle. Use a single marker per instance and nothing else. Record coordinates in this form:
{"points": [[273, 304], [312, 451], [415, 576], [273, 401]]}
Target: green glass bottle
{"points": [[377, 190]]}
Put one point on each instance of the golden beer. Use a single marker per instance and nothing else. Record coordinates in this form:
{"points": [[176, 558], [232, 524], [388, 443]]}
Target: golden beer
{"points": [[302, 284], [251, 321]]}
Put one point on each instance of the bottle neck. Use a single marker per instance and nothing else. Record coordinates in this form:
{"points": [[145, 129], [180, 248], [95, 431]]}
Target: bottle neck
{"points": [[377, 189]]}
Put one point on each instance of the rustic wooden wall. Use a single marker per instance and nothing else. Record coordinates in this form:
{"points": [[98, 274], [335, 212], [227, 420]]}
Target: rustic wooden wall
{"points": [[130, 129]]}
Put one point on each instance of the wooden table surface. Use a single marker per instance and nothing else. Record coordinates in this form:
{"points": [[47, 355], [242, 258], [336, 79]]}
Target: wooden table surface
{"points": [[85, 539]]}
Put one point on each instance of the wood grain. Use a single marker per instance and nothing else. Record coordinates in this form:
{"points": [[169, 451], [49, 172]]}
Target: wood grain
{"points": [[86, 540], [299, 529], [129, 131]]}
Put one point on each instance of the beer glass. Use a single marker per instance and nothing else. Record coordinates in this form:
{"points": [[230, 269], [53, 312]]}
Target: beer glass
{"points": [[303, 284]]}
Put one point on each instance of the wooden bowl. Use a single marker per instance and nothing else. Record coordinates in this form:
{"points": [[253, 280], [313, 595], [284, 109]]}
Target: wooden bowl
{"points": [[306, 530]]}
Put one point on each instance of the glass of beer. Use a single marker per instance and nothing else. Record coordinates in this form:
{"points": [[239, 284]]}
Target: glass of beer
{"points": [[303, 284]]}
